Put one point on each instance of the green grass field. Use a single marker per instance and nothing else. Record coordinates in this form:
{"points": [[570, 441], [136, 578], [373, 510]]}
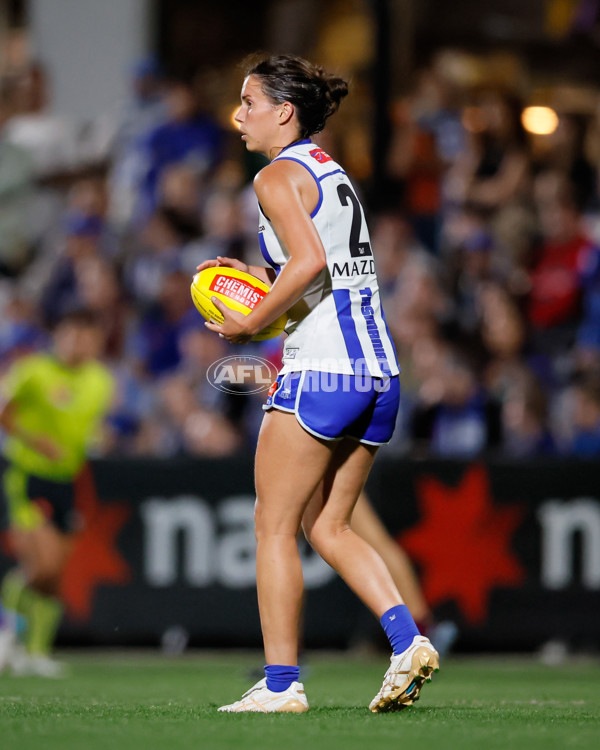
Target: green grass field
{"points": [[133, 701]]}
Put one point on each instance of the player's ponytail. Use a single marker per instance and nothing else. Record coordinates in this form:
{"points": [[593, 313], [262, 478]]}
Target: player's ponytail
{"points": [[334, 90], [315, 94]]}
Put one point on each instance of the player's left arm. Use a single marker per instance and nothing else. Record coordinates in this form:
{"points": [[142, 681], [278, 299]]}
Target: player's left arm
{"points": [[287, 194]]}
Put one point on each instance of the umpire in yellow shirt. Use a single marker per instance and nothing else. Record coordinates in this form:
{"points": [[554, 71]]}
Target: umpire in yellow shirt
{"points": [[51, 406]]}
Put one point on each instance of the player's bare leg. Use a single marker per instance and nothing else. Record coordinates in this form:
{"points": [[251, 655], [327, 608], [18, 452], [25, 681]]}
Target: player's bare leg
{"points": [[367, 524], [289, 465], [303, 479], [327, 526]]}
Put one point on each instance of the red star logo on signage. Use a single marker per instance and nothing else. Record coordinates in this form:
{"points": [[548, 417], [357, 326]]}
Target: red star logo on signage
{"points": [[462, 543], [95, 559]]}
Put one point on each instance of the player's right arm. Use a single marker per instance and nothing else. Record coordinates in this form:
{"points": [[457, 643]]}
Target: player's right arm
{"points": [[12, 390], [264, 273], [39, 443]]}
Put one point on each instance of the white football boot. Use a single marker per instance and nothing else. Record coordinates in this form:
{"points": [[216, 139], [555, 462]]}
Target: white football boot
{"points": [[260, 699], [40, 666], [23, 664], [405, 677]]}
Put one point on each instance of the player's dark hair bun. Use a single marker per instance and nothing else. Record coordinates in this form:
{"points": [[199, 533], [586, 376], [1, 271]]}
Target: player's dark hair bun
{"points": [[315, 94]]}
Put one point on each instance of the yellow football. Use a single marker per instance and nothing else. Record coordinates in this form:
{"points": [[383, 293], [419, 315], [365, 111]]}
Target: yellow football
{"points": [[238, 290]]}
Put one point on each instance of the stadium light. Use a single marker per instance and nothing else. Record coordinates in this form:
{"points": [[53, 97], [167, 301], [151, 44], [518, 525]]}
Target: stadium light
{"points": [[539, 120]]}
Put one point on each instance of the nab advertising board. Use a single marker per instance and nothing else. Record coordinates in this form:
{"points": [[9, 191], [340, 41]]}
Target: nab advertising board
{"points": [[509, 552]]}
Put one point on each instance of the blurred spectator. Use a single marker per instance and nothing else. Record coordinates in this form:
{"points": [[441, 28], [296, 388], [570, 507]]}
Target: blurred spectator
{"points": [[525, 421], [587, 351], [416, 166], [82, 242], [98, 288], [421, 351], [83, 216], [567, 153], [494, 168], [419, 292], [189, 135], [395, 244], [436, 109], [555, 297], [88, 198], [131, 425], [222, 232], [179, 193], [504, 336], [427, 137], [16, 187], [474, 262], [197, 430], [493, 173], [586, 418], [198, 351], [50, 140], [143, 111], [247, 207], [459, 419], [156, 253], [156, 342], [20, 332]]}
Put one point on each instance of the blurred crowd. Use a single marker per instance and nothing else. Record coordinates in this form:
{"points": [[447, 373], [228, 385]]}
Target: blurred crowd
{"points": [[484, 239]]}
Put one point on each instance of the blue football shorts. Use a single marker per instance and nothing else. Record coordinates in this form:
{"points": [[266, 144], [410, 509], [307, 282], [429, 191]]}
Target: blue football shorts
{"points": [[332, 406]]}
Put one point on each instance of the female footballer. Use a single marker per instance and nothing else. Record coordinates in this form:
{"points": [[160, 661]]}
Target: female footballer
{"points": [[336, 397]]}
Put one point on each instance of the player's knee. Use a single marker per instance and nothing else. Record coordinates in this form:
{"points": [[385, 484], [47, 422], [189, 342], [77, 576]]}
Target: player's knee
{"points": [[263, 526], [324, 533], [268, 524], [259, 520], [268, 531]]}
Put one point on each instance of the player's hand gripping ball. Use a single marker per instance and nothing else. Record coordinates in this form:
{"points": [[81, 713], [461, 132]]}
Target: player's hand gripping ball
{"points": [[238, 290]]}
